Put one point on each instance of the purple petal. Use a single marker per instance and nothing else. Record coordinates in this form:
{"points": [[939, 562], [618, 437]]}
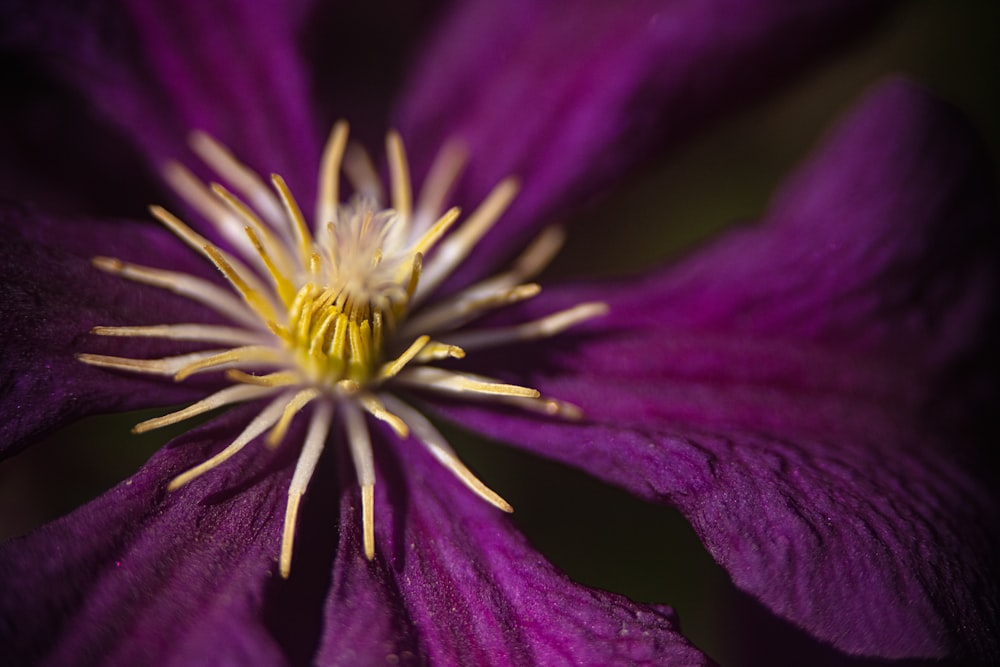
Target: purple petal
{"points": [[797, 390], [50, 298], [146, 576], [143, 576], [159, 70], [570, 100], [475, 593]]}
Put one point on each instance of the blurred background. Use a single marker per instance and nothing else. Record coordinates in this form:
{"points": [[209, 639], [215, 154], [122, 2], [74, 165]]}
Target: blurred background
{"points": [[598, 535]]}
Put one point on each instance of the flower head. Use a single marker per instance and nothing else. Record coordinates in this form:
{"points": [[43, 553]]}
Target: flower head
{"points": [[329, 308], [775, 386]]}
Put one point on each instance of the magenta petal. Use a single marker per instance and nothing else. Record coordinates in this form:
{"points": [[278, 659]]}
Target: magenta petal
{"points": [[365, 618], [160, 69], [51, 296], [143, 576], [454, 571], [805, 391], [569, 100]]}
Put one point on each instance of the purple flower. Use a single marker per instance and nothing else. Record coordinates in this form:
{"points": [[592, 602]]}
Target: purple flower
{"points": [[804, 390]]}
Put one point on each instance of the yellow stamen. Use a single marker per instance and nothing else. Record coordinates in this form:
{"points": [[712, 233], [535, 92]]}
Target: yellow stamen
{"points": [[244, 179], [286, 291], [206, 333], [376, 409], [183, 284], [456, 247], [451, 381], [226, 396], [439, 448], [542, 328], [295, 215], [260, 423], [279, 379], [299, 401], [364, 466], [249, 354], [288, 531], [393, 367], [432, 235], [329, 175], [435, 351], [319, 427], [255, 298], [250, 219], [200, 197], [368, 518], [163, 366]]}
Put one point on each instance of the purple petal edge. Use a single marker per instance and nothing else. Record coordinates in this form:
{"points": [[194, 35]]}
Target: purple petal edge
{"points": [[807, 391], [471, 589]]}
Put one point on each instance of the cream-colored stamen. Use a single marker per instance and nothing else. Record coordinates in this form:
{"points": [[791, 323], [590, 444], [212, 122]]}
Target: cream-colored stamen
{"points": [[528, 264], [206, 333], [441, 178], [541, 328], [438, 446], [201, 198], [494, 292], [361, 173], [245, 180], [278, 379], [196, 289], [250, 219], [247, 356], [329, 176], [439, 379], [202, 245], [319, 428], [364, 465], [292, 408], [399, 175], [435, 351], [538, 255], [162, 366], [457, 246], [252, 292], [295, 215], [263, 421], [464, 307], [543, 405], [235, 394], [432, 235]]}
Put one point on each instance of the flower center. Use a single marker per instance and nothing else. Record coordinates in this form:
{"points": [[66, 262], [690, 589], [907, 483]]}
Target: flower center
{"points": [[339, 320], [337, 315]]}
